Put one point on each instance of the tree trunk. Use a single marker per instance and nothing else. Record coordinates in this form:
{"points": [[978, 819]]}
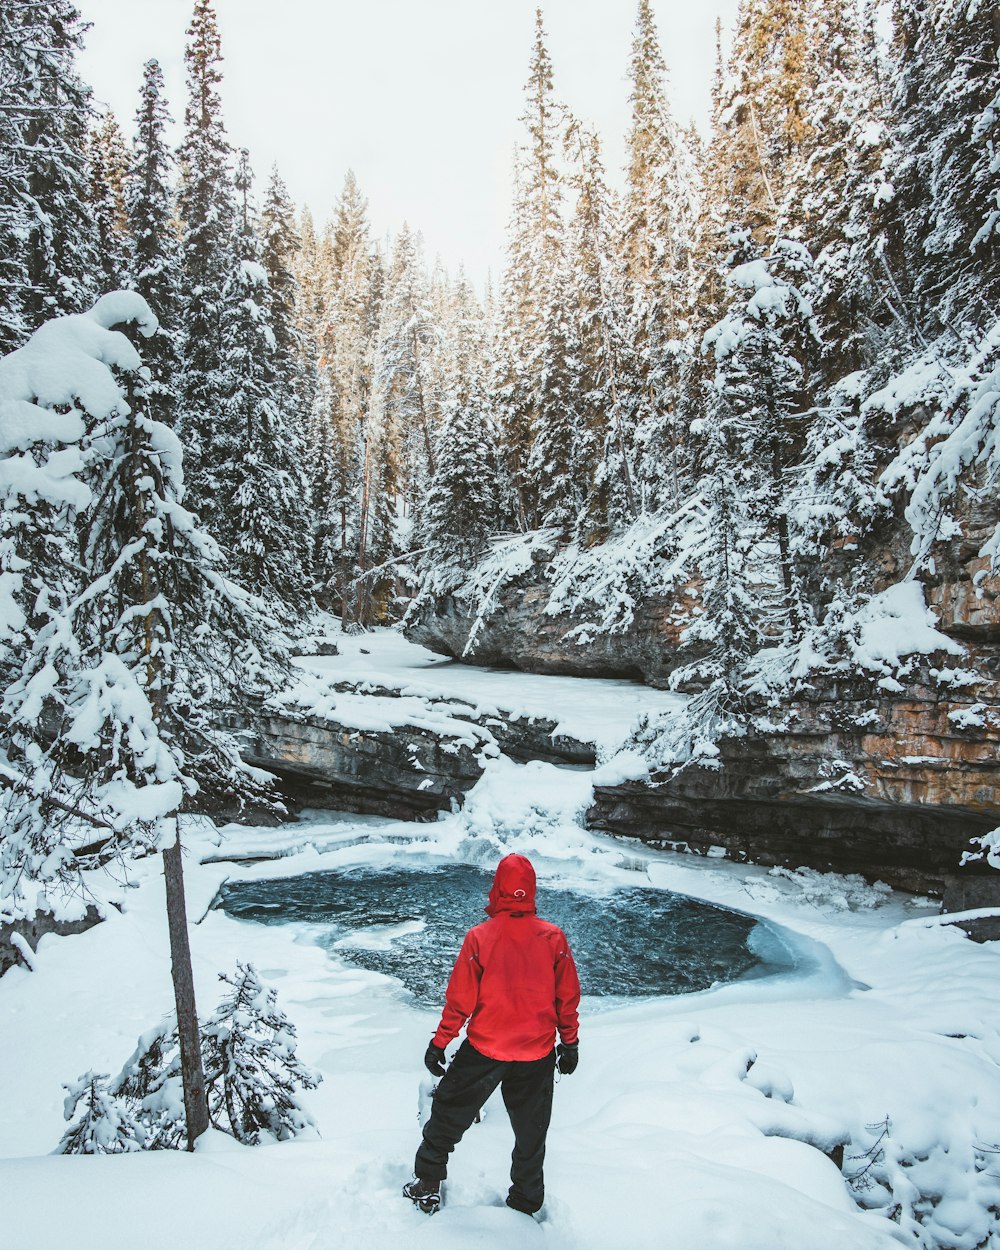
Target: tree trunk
{"points": [[192, 1073]]}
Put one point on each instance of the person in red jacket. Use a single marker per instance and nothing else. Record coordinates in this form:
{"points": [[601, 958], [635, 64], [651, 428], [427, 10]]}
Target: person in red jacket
{"points": [[516, 985]]}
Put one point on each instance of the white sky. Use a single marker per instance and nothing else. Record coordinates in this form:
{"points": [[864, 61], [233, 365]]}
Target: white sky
{"points": [[420, 97]]}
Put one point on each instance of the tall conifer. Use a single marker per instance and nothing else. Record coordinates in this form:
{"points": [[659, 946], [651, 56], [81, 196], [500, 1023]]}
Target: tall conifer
{"points": [[206, 208]]}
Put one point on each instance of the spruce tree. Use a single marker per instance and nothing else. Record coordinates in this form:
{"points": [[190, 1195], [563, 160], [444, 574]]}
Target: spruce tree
{"points": [[460, 510], [763, 351], [260, 522], [110, 167], [280, 246], [608, 385], [136, 647], [660, 217], [155, 260], [402, 382], [560, 451], [206, 209], [535, 251], [252, 1071], [48, 246]]}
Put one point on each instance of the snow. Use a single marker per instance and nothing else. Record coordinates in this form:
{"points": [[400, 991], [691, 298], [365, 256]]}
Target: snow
{"points": [[597, 710], [898, 623], [695, 1121]]}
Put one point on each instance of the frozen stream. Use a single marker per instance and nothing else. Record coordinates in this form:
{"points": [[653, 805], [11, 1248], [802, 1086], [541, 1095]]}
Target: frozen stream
{"points": [[409, 923]]}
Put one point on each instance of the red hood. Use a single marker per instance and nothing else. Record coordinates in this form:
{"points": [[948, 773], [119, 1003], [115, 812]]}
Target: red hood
{"points": [[513, 887]]}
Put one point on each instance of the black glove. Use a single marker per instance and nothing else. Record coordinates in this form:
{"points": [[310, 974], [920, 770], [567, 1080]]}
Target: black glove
{"points": [[567, 1057], [434, 1060]]}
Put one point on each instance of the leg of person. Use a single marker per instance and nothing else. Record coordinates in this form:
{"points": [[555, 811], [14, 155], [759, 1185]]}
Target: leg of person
{"points": [[464, 1088], [527, 1095]]}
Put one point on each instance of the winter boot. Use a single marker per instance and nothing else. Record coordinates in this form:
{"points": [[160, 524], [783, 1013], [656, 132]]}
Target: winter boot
{"points": [[424, 1194]]}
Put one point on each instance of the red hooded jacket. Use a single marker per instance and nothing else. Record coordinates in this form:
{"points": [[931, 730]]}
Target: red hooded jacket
{"points": [[514, 980]]}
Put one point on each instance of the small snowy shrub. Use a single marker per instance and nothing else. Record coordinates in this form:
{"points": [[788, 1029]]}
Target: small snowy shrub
{"points": [[106, 1125], [150, 1083], [251, 1069], [943, 1197], [252, 1079]]}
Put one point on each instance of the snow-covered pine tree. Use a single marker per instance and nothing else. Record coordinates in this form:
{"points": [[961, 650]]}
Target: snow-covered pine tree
{"points": [[346, 346], [260, 522], [726, 632], [459, 515], [252, 1071], [402, 383], [764, 110], [205, 204], [660, 216], [105, 1125], [763, 350], [154, 265], [326, 503], [842, 131], [135, 647], [517, 331], [536, 245], [110, 167], [48, 258], [946, 97], [561, 456], [607, 390], [280, 246]]}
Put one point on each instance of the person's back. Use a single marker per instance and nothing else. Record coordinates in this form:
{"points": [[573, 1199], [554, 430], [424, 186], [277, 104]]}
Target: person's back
{"points": [[516, 984]]}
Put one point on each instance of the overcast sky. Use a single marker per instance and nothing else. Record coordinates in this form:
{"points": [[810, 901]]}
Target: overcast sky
{"points": [[419, 97]]}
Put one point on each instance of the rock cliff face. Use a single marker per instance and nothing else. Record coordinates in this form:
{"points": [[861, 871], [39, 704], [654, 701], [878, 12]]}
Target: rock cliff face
{"points": [[897, 798], [890, 785], [406, 771], [522, 632]]}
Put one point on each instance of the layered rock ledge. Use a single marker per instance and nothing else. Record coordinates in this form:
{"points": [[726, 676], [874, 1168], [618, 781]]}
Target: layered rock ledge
{"points": [[896, 797]]}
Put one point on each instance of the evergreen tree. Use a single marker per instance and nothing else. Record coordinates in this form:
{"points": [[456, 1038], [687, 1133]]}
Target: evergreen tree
{"points": [[109, 171], [252, 1071], [106, 1125], [281, 244], [206, 208], [155, 259], [661, 211], [763, 349], [608, 385], [48, 248], [727, 632], [560, 441], [946, 96], [327, 502], [261, 524], [136, 647], [764, 110], [460, 510], [821, 190], [535, 251], [402, 382]]}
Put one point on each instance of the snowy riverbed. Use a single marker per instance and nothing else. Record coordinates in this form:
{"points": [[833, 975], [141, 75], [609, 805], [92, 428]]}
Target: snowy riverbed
{"points": [[697, 1121], [598, 710]]}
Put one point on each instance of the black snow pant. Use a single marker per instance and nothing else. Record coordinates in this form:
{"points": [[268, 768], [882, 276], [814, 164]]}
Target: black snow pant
{"points": [[526, 1087]]}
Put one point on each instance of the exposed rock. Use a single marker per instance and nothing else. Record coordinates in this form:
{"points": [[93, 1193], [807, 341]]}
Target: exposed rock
{"points": [[894, 792], [406, 772], [35, 929], [520, 633]]}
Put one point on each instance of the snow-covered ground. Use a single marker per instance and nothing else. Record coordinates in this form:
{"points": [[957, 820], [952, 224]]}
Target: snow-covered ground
{"points": [[598, 710], [686, 1127]]}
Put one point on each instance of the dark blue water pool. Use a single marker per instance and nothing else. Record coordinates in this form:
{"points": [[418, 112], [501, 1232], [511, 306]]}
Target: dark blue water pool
{"points": [[410, 923]]}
